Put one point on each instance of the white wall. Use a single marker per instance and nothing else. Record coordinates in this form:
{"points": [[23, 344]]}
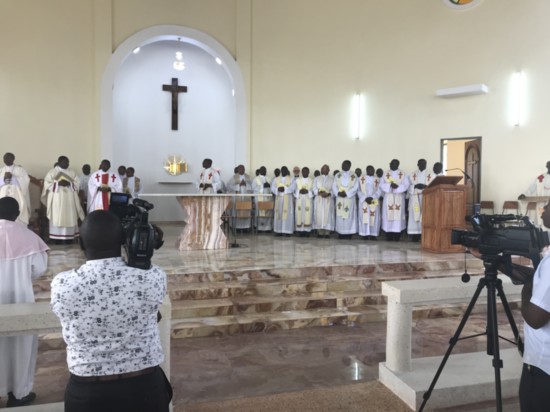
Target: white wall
{"points": [[142, 119], [303, 60]]}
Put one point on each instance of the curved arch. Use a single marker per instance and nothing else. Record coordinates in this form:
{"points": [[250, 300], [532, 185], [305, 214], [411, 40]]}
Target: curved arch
{"points": [[161, 33]]}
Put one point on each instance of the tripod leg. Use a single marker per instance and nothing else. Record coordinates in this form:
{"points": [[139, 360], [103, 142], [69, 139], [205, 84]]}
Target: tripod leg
{"points": [[492, 338], [510, 317], [453, 341]]}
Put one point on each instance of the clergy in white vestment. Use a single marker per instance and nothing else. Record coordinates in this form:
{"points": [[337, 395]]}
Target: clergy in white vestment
{"points": [[131, 184], [261, 185], [83, 188], [344, 188], [303, 208], [283, 188], [323, 204], [539, 187], [419, 180], [23, 257], [209, 179], [102, 183], [14, 182], [60, 196], [368, 224], [395, 184], [241, 183]]}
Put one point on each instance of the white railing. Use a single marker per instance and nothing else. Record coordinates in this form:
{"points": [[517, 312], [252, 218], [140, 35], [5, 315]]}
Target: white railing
{"points": [[37, 318]]}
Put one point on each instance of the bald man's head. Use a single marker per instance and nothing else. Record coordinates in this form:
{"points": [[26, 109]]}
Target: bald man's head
{"points": [[101, 234], [9, 208]]}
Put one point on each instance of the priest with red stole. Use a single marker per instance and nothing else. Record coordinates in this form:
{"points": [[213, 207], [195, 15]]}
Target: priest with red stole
{"points": [[100, 186]]}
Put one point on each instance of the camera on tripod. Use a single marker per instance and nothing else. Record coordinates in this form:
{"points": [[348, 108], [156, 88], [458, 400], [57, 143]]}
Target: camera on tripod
{"points": [[140, 237], [492, 238]]}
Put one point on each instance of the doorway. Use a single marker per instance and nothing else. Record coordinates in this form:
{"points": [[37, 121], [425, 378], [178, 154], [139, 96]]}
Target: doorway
{"points": [[461, 156]]}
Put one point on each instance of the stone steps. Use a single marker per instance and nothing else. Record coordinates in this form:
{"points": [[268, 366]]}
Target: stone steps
{"points": [[246, 301]]}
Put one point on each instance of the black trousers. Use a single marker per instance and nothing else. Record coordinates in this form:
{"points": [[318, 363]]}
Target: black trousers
{"points": [[534, 390], [145, 393]]}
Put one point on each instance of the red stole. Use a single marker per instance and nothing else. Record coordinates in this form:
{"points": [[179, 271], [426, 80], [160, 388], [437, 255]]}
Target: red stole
{"points": [[105, 195]]}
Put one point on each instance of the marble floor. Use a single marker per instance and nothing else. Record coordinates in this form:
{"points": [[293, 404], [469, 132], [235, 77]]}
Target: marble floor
{"points": [[227, 367]]}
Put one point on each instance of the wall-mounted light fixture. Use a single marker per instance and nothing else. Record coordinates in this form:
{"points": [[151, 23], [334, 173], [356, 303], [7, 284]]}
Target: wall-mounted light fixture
{"points": [[517, 98], [356, 116]]}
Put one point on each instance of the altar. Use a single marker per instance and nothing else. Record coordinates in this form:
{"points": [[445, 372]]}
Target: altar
{"points": [[204, 219], [203, 227]]}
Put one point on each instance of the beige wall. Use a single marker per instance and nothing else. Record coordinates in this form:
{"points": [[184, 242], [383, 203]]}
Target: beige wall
{"points": [[302, 61]]}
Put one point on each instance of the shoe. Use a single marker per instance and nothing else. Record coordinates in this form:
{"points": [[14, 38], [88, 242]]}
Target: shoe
{"points": [[25, 400]]}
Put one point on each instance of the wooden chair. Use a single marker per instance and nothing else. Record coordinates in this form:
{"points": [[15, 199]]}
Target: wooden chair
{"points": [[487, 205], [264, 211], [531, 211], [510, 206]]}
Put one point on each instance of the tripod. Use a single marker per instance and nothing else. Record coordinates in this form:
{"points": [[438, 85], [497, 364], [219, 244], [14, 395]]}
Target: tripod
{"points": [[493, 285]]}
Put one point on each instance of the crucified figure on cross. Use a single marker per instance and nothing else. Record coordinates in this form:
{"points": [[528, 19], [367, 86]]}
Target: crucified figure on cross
{"points": [[175, 90]]}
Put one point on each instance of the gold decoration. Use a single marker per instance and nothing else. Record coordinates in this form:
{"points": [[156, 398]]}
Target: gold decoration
{"points": [[175, 165]]}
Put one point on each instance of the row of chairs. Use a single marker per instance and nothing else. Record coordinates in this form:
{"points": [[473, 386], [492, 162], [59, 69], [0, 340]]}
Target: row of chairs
{"points": [[509, 206]]}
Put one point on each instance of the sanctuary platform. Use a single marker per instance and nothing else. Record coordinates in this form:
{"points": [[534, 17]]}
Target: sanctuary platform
{"points": [[280, 314]]}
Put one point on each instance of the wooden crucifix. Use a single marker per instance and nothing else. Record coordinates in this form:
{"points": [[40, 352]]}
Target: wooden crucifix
{"points": [[175, 90]]}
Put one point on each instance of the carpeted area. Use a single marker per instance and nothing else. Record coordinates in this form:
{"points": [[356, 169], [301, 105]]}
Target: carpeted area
{"points": [[359, 397]]}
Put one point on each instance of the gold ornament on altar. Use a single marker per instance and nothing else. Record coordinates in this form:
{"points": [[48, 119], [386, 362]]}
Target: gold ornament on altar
{"points": [[175, 165]]}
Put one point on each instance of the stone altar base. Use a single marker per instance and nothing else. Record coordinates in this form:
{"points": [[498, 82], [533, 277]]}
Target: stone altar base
{"points": [[466, 378]]}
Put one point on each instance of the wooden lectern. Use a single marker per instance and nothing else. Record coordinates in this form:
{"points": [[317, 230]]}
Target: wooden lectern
{"points": [[443, 209]]}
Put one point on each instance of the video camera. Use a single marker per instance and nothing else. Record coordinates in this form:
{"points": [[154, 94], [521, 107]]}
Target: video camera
{"points": [[140, 237], [492, 238]]}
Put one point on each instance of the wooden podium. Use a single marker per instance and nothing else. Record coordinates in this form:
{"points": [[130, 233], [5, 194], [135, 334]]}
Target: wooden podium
{"points": [[443, 209]]}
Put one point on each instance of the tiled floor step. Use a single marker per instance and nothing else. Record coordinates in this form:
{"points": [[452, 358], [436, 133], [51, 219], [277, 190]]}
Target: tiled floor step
{"points": [[259, 304], [269, 321]]}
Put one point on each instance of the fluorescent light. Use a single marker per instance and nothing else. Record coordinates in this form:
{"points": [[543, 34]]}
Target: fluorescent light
{"points": [[516, 98], [136, 50], [218, 60], [356, 116]]}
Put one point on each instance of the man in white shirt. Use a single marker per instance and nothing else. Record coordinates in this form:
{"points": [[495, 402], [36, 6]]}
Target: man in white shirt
{"points": [[345, 188], [14, 182], [241, 183], [368, 225], [539, 188], [23, 257], [262, 185], [303, 194], [60, 196], [83, 188], [323, 205], [108, 313], [131, 184], [283, 188], [209, 179], [419, 180], [535, 309], [394, 185], [102, 183]]}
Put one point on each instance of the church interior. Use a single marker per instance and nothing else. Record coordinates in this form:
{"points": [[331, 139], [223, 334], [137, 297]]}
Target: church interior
{"points": [[272, 83]]}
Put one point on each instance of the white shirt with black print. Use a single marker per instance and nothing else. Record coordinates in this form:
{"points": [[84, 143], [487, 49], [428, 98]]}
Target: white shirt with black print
{"points": [[108, 313]]}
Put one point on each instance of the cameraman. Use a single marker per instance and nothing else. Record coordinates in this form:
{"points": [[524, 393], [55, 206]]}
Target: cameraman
{"points": [[534, 393], [108, 313]]}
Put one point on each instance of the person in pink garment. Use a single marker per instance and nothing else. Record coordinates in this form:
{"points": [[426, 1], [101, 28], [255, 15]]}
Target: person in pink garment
{"points": [[23, 257]]}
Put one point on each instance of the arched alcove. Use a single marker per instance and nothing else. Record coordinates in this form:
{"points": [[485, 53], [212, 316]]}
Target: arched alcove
{"points": [[136, 113]]}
